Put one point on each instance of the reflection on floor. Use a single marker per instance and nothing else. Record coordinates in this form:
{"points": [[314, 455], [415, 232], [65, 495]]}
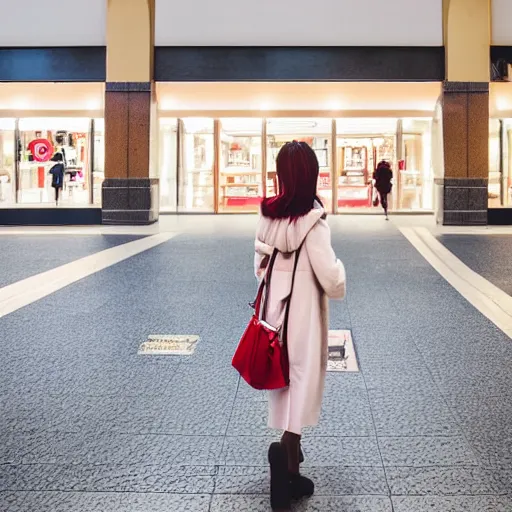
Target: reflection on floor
{"points": [[86, 424]]}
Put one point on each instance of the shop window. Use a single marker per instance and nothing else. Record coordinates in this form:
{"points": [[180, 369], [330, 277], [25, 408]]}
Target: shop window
{"points": [[7, 165], [196, 165], [414, 177], [240, 178], [360, 145], [507, 162], [98, 156], [168, 163], [39, 139], [500, 164], [318, 134]]}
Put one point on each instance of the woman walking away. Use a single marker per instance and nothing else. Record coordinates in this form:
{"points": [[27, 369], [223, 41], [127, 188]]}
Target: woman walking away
{"points": [[293, 222], [383, 176]]}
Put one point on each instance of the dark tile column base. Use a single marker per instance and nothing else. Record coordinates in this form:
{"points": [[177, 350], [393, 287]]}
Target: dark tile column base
{"points": [[465, 201], [130, 201]]}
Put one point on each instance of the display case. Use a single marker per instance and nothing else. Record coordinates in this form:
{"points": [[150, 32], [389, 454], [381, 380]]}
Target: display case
{"points": [[37, 145], [354, 180], [240, 183], [320, 144]]}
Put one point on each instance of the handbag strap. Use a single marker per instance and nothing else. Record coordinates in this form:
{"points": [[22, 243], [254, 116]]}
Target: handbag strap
{"points": [[284, 336], [263, 290]]}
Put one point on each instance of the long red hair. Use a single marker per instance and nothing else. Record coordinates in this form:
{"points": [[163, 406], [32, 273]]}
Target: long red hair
{"points": [[297, 174]]}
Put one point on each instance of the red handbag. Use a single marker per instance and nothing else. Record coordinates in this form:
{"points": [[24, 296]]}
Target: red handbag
{"points": [[261, 357]]}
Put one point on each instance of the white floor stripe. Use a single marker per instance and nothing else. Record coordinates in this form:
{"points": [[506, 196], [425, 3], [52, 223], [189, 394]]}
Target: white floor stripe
{"points": [[474, 230], [492, 302], [27, 291], [133, 230]]}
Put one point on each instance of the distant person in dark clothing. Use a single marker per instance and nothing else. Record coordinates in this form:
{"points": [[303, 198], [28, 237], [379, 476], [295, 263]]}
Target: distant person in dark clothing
{"points": [[57, 172], [383, 176]]}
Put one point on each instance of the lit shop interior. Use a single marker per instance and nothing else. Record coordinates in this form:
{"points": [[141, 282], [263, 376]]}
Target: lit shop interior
{"points": [[219, 141], [228, 164], [500, 146], [45, 119]]}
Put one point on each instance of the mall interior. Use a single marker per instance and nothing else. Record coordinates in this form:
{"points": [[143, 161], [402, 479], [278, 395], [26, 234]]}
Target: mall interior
{"points": [[121, 308], [205, 141]]}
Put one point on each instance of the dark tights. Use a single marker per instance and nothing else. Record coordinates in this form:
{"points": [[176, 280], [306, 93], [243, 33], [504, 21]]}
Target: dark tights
{"points": [[384, 201], [292, 443], [57, 190]]}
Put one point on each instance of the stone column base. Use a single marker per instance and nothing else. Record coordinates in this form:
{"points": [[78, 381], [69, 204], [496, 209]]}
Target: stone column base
{"points": [[465, 201], [130, 201]]}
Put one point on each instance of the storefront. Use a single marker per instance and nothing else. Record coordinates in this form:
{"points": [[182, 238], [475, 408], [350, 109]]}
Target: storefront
{"points": [[36, 122], [227, 165], [222, 160]]}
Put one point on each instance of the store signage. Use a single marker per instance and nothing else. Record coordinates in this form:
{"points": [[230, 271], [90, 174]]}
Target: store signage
{"points": [[41, 149]]}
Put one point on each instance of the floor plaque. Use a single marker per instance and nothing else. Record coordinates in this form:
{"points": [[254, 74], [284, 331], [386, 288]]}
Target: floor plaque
{"points": [[342, 355], [169, 345]]}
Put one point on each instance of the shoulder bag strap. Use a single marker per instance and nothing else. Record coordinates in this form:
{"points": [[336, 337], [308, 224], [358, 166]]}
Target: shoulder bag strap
{"points": [[284, 337], [263, 290]]}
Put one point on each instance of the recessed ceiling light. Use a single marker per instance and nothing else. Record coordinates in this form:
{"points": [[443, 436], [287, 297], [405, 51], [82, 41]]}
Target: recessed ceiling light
{"points": [[334, 105]]}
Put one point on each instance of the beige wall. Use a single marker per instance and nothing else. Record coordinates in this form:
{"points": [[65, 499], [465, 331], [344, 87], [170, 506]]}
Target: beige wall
{"points": [[129, 40], [467, 35]]}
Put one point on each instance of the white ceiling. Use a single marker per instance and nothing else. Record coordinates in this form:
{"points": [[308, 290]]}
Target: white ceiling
{"points": [[299, 23]]}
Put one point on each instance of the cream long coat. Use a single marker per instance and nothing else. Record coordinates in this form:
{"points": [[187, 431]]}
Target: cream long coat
{"points": [[320, 276]]}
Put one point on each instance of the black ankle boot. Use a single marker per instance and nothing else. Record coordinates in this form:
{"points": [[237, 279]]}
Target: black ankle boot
{"points": [[301, 455], [301, 487], [280, 483]]}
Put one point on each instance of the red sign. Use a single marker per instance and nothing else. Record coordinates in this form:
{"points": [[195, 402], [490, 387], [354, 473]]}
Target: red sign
{"points": [[41, 175], [41, 149]]}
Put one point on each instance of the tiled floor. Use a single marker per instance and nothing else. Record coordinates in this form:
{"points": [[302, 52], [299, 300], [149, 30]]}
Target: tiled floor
{"points": [[87, 425], [22, 257], [489, 255]]}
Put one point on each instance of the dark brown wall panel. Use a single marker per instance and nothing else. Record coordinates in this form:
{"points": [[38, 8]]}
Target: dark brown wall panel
{"points": [[341, 63], [55, 64]]}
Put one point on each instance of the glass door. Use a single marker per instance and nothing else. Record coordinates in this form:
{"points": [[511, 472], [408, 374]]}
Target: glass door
{"points": [[415, 179], [98, 160], [196, 157], [240, 169], [168, 163], [7, 162], [360, 145]]}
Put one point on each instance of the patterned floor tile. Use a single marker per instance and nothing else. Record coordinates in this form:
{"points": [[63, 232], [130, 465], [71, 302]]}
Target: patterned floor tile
{"points": [[452, 504], [426, 451], [442, 481], [316, 504]]}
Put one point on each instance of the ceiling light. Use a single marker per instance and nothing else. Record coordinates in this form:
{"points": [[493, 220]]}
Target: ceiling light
{"points": [[334, 105]]}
